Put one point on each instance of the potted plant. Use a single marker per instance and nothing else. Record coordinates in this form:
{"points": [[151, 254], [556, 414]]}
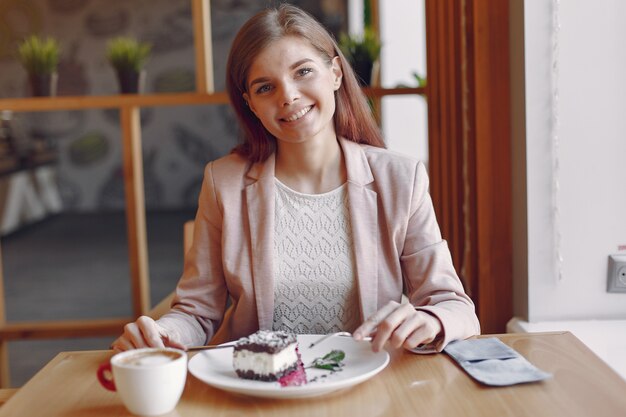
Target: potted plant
{"points": [[362, 52], [128, 56], [40, 59]]}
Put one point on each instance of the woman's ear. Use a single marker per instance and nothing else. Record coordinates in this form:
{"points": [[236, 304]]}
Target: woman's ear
{"points": [[246, 99], [337, 72]]}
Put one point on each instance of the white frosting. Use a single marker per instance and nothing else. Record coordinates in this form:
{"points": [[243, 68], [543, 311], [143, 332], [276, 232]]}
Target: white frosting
{"points": [[265, 363]]}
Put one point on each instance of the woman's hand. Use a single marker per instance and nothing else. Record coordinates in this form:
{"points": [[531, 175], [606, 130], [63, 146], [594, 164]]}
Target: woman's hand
{"points": [[400, 325], [145, 332]]}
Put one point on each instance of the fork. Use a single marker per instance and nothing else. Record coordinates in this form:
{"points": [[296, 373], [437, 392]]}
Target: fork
{"points": [[328, 336], [315, 343], [209, 347]]}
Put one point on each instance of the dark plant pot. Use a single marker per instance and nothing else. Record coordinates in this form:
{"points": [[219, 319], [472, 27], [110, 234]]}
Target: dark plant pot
{"points": [[363, 71], [43, 85], [130, 81]]}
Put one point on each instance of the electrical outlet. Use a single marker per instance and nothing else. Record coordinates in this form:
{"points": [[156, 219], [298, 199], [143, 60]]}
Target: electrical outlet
{"points": [[616, 281]]}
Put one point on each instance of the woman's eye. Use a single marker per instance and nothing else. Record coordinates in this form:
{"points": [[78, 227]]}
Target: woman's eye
{"points": [[263, 89], [304, 71]]}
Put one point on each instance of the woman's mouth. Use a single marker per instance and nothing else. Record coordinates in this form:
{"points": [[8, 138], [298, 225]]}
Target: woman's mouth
{"points": [[297, 115]]}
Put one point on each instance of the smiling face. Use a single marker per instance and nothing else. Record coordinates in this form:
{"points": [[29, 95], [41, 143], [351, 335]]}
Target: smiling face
{"points": [[290, 89]]}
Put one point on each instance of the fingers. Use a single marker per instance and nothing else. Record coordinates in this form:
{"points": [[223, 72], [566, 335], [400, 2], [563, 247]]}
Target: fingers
{"points": [[149, 332], [142, 333], [407, 328], [121, 344], [371, 323], [421, 329], [387, 327], [400, 325], [424, 334]]}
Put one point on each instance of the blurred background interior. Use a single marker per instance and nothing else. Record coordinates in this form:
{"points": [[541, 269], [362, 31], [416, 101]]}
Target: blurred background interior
{"points": [[65, 247]]}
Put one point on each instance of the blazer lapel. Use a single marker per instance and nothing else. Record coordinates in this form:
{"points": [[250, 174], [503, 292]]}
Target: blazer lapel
{"points": [[260, 202], [364, 221]]}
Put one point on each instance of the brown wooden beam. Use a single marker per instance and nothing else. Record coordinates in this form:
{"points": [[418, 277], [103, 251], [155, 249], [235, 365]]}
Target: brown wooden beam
{"points": [[112, 102], [151, 100], [493, 163], [135, 209], [445, 121], [203, 45], [380, 91], [62, 329]]}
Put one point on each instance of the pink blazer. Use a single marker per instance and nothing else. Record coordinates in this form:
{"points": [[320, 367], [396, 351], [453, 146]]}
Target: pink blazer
{"points": [[397, 244]]}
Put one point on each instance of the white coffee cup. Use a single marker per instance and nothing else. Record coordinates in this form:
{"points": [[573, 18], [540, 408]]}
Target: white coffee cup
{"points": [[149, 381]]}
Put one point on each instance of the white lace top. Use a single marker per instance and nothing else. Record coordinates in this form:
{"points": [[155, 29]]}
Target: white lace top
{"points": [[314, 285]]}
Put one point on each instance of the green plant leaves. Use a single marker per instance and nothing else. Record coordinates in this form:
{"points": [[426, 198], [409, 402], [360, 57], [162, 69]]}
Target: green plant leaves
{"points": [[421, 81], [360, 48], [38, 55], [125, 53]]}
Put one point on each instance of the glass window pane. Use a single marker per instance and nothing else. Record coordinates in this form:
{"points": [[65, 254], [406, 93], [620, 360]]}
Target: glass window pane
{"points": [[405, 125], [404, 118]]}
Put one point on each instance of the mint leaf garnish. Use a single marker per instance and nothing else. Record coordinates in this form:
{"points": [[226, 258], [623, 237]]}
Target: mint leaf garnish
{"points": [[335, 355], [332, 361]]}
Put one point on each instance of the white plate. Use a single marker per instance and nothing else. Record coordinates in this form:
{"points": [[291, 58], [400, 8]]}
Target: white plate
{"points": [[215, 367]]}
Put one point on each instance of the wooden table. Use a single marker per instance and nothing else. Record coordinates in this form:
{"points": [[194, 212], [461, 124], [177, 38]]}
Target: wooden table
{"points": [[412, 385]]}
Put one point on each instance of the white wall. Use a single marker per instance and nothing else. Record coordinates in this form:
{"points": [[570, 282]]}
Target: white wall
{"points": [[591, 129]]}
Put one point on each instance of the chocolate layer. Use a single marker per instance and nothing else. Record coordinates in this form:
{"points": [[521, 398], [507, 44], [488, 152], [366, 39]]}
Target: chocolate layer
{"points": [[249, 374]]}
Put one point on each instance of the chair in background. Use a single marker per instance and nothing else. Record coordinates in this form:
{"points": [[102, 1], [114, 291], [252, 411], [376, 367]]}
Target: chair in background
{"points": [[164, 305]]}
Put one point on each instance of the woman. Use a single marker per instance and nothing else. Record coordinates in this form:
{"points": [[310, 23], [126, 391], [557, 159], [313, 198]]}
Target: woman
{"points": [[310, 225]]}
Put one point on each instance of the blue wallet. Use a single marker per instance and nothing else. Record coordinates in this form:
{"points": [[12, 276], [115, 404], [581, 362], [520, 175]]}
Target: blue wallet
{"points": [[491, 362]]}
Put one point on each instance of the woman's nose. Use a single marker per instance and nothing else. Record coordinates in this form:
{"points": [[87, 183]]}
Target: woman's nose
{"points": [[289, 94]]}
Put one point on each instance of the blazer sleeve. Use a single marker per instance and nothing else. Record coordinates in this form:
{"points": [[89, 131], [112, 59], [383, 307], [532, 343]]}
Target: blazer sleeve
{"points": [[432, 283], [201, 294]]}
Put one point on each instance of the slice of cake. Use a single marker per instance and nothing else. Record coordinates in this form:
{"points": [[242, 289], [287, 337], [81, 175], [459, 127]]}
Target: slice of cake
{"points": [[296, 377], [266, 355]]}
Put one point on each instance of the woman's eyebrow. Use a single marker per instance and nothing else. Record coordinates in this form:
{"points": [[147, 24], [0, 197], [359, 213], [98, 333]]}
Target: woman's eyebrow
{"points": [[300, 62], [261, 80]]}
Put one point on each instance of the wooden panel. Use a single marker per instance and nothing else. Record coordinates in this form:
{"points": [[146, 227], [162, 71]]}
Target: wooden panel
{"points": [[135, 209], [445, 121], [493, 163], [469, 146]]}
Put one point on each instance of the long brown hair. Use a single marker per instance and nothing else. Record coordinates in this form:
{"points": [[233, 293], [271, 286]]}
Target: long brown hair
{"points": [[353, 116]]}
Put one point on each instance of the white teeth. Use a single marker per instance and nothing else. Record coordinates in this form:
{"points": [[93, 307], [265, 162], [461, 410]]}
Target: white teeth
{"points": [[299, 114]]}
